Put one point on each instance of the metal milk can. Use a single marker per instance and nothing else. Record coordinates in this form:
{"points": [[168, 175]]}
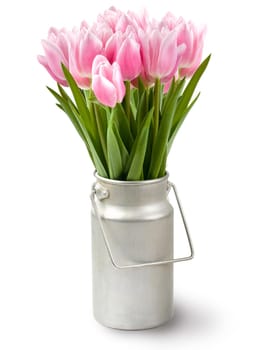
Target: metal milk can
{"points": [[132, 252]]}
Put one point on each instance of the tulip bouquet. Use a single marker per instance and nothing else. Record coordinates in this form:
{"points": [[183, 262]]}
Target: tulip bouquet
{"points": [[132, 81]]}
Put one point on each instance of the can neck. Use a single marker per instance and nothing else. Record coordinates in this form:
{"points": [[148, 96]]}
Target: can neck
{"points": [[134, 193]]}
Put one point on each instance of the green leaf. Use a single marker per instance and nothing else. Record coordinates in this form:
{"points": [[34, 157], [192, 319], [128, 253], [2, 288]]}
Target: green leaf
{"points": [[64, 94], [123, 151], [134, 101], [163, 133], [102, 113], [184, 107], [114, 155], [168, 95], [137, 154], [60, 106], [148, 154], [88, 117], [78, 123], [142, 109], [175, 130], [122, 122], [81, 104], [141, 86], [162, 170], [189, 90], [101, 121], [78, 96], [133, 126], [64, 106], [96, 158], [151, 97]]}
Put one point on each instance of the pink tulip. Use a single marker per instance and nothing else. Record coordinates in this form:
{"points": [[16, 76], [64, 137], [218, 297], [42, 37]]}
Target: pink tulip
{"points": [[125, 49], [129, 59], [112, 17], [56, 49], [103, 31], [107, 82], [194, 41], [160, 54], [191, 37], [123, 23], [112, 46], [169, 21], [84, 24], [85, 46], [140, 20]]}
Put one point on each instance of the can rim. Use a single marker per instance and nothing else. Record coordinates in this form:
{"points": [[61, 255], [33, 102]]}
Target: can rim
{"points": [[131, 183]]}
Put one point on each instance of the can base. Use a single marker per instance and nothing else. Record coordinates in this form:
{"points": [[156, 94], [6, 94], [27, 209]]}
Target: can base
{"points": [[140, 328], [128, 327]]}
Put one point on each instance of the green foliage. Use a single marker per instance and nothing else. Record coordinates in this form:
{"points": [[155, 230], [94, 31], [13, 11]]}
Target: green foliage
{"points": [[160, 143], [132, 140], [114, 155], [137, 155]]}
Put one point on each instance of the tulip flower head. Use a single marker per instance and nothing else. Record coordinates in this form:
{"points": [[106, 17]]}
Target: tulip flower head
{"points": [[160, 53], [107, 81], [194, 41], [129, 58], [85, 46], [56, 49]]}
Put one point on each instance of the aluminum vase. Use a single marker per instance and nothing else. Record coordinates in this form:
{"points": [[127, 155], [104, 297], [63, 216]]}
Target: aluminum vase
{"points": [[132, 252]]}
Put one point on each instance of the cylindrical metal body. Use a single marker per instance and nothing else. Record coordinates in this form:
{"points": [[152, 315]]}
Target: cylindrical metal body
{"points": [[138, 220]]}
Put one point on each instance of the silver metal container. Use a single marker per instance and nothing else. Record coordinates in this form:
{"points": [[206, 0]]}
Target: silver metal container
{"points": [[132, 252]]}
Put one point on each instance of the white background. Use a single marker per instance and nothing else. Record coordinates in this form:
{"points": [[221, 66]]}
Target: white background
{"points": [[45, 179]]}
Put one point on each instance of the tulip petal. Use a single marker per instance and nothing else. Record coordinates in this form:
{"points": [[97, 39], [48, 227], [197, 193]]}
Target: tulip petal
{"points": [[118, 82], [185, 37], [122, 23], [104, 90], [106, 71], [63, 44], [54, 58], [191, 58], [144, 52], [102, 66], [167, 54], [154, 47], [90, 47], [42, 60], [81, 80], [97, 62], [129, 59], [112, 45]]}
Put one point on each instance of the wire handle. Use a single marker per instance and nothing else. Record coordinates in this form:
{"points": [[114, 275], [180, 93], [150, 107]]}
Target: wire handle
{"points": [[102, 194]]}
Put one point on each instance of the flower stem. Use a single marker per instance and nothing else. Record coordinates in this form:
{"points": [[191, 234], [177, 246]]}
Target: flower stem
{"points": [[128, 98], [157, 93], [100, 132]]}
